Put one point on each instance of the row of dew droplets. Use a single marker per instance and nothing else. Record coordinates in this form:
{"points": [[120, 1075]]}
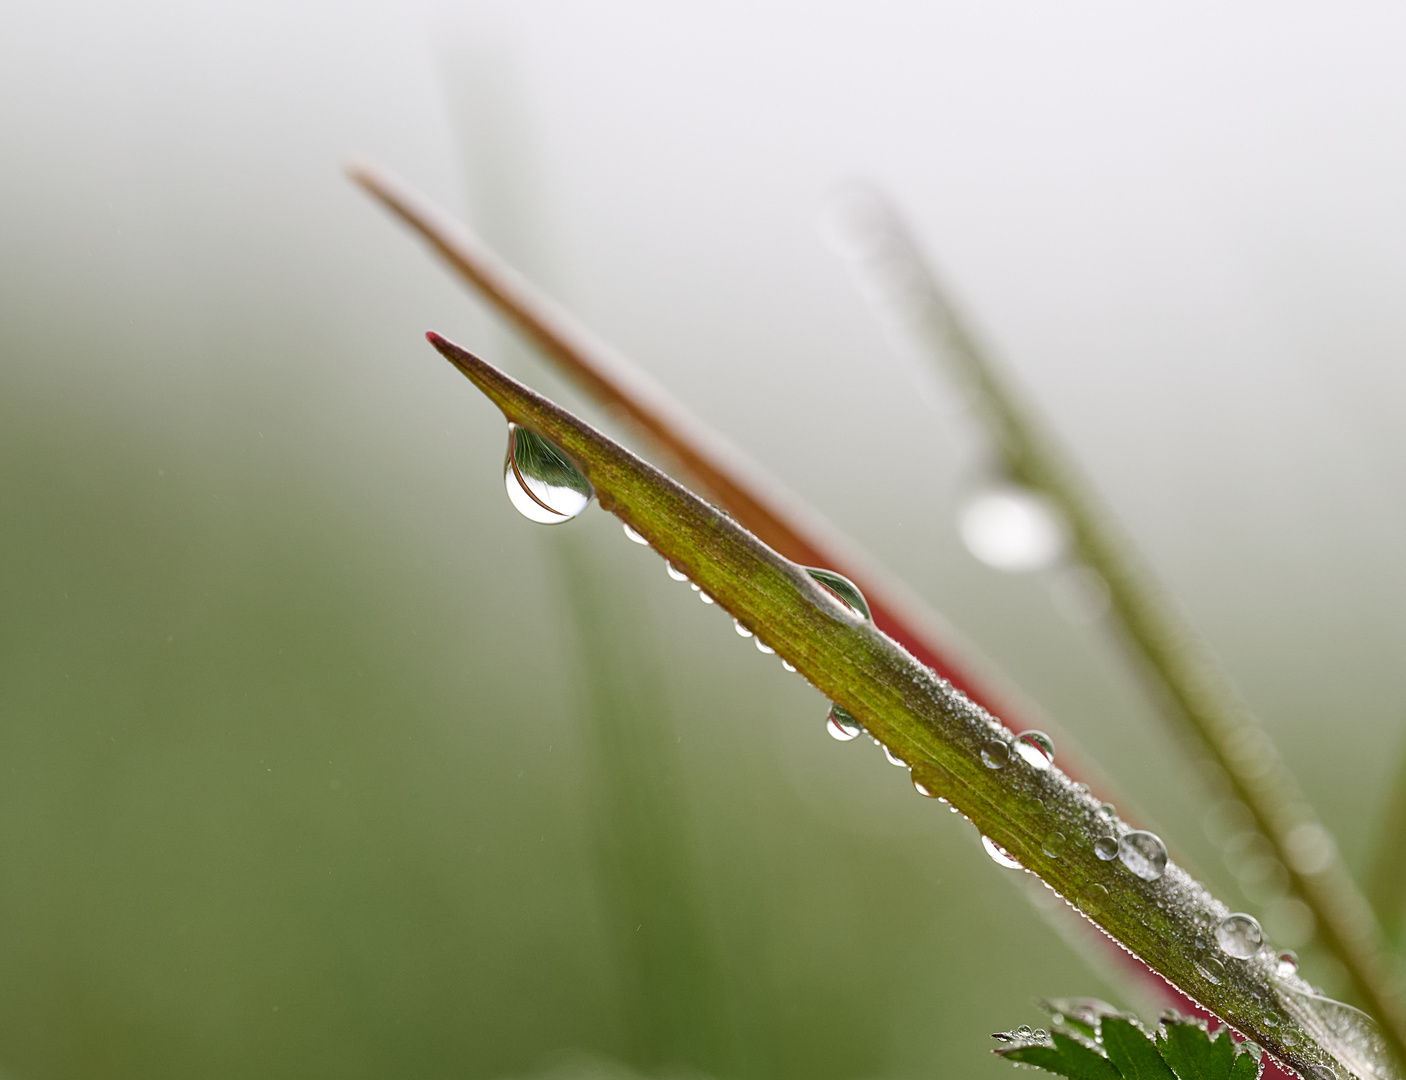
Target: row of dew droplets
{"points": [[542, 483], [546, 488]]}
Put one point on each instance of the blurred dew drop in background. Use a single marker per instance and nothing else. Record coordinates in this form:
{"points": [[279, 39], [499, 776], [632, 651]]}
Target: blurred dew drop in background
{"points": [[319, 761]]}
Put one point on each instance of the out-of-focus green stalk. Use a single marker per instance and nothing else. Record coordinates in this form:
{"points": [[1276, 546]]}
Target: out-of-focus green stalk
{"points": [[1190, 687], [1386, 878], [955, 749]]}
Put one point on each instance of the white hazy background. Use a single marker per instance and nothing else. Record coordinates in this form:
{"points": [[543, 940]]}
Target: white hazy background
{"points": [[1181, 227]]}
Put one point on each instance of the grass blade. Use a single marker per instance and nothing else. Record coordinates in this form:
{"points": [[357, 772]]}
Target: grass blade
{"points": [[1196, 695], [1386, 880], [925, 721]]}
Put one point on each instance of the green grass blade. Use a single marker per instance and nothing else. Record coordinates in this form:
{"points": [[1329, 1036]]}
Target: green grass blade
{"points": [[924, 721], [1386, 879], [1197, 696]]}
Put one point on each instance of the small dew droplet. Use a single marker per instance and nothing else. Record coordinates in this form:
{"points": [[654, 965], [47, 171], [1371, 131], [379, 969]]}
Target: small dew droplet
{"points": [[1319, 1072], [704, 597], [1094, 897], [1036, 748], [842, 589], [788, 665], [1239, 935], [542, 483], [1211, 969], [1144, 854], [675, 572], [1106, 848], [742, 631], [995, 754], [632, 535], [763, 647], [894, 759], [1011, 528], [1000, 855], [1286, 964], [922, 788], [1109, 810], [842, 725], [1053, 844]]}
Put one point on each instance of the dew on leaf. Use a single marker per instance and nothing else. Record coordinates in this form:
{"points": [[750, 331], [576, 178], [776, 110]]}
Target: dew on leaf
{"points": [[1286, 964], [742, 631], [1011, 528], [842, 725], [1053, 844], [675, 572], [842, 589], [995, 754], [788, 665], [1106, 848], [763, 647], [542, 483], [705, 597], [1144, 854], [1036, 748], [1000, 855], [632, 535], [1239, 935], [894, 759]]}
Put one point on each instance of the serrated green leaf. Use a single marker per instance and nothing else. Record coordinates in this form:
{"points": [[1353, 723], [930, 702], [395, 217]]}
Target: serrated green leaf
{"points": [[1246, 1066], [1193, 1055], [1080, 1015], [1066, 1058], [1132, 1050]]}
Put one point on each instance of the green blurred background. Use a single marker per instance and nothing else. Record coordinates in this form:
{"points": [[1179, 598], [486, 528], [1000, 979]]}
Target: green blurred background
{"points": [[317, 760]]}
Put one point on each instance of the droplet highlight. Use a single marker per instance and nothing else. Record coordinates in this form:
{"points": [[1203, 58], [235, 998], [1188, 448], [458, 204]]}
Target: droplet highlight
{"points": [[1144, 854], [842, 589], [1106, 848], [1054, 843], [542, 483], [894, 759], [675, 572], [995, 754], [1036, 748], [763, 647], [841, 725], [742, 631], [1012, 528], [999, 855], [788, 666], [1239, 935], [630, 534], [705, 597]]}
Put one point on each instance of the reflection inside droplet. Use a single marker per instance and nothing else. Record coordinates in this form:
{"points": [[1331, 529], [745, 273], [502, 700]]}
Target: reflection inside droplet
{"points": [[1036, 748], [542, 483], [842, 725], [995, 753], [842, 589], [1000, 855], [1011, 528]]}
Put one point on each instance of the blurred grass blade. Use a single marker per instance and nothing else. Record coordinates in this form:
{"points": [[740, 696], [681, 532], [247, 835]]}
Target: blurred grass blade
{"points": [[949, 744], [1191, 687], [1386, 880]]}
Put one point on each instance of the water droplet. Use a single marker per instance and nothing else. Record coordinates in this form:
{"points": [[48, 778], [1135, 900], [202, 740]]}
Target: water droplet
{"points": [[842, 589], [1094, 897], [763, 647], [1319, 1072], [1030, 804], [788, 665], [1286, 964], [1144, 854], [894, 759], [632, 535], [1023, 1031], [705, 597], [742, 631], [1239, 935], [1012, 528], [542, 483], [1082, 788], [1109, 809], [995, 754], [1035, 747], [1211, 969], [842, 725], [1106, 848], [1053, 844], [1001, 856], [675, 572]]}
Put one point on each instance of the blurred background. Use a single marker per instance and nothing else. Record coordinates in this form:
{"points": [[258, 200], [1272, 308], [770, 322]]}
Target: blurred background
{"points": [[317, 759]]}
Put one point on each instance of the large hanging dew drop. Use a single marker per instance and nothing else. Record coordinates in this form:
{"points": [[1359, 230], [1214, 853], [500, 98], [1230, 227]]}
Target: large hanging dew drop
{"points": [[1012, 528], [1144, 854], [1036, 748], [842, 725], [842, 589], [541, 481], [1239, 935], [1000, 855]]}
